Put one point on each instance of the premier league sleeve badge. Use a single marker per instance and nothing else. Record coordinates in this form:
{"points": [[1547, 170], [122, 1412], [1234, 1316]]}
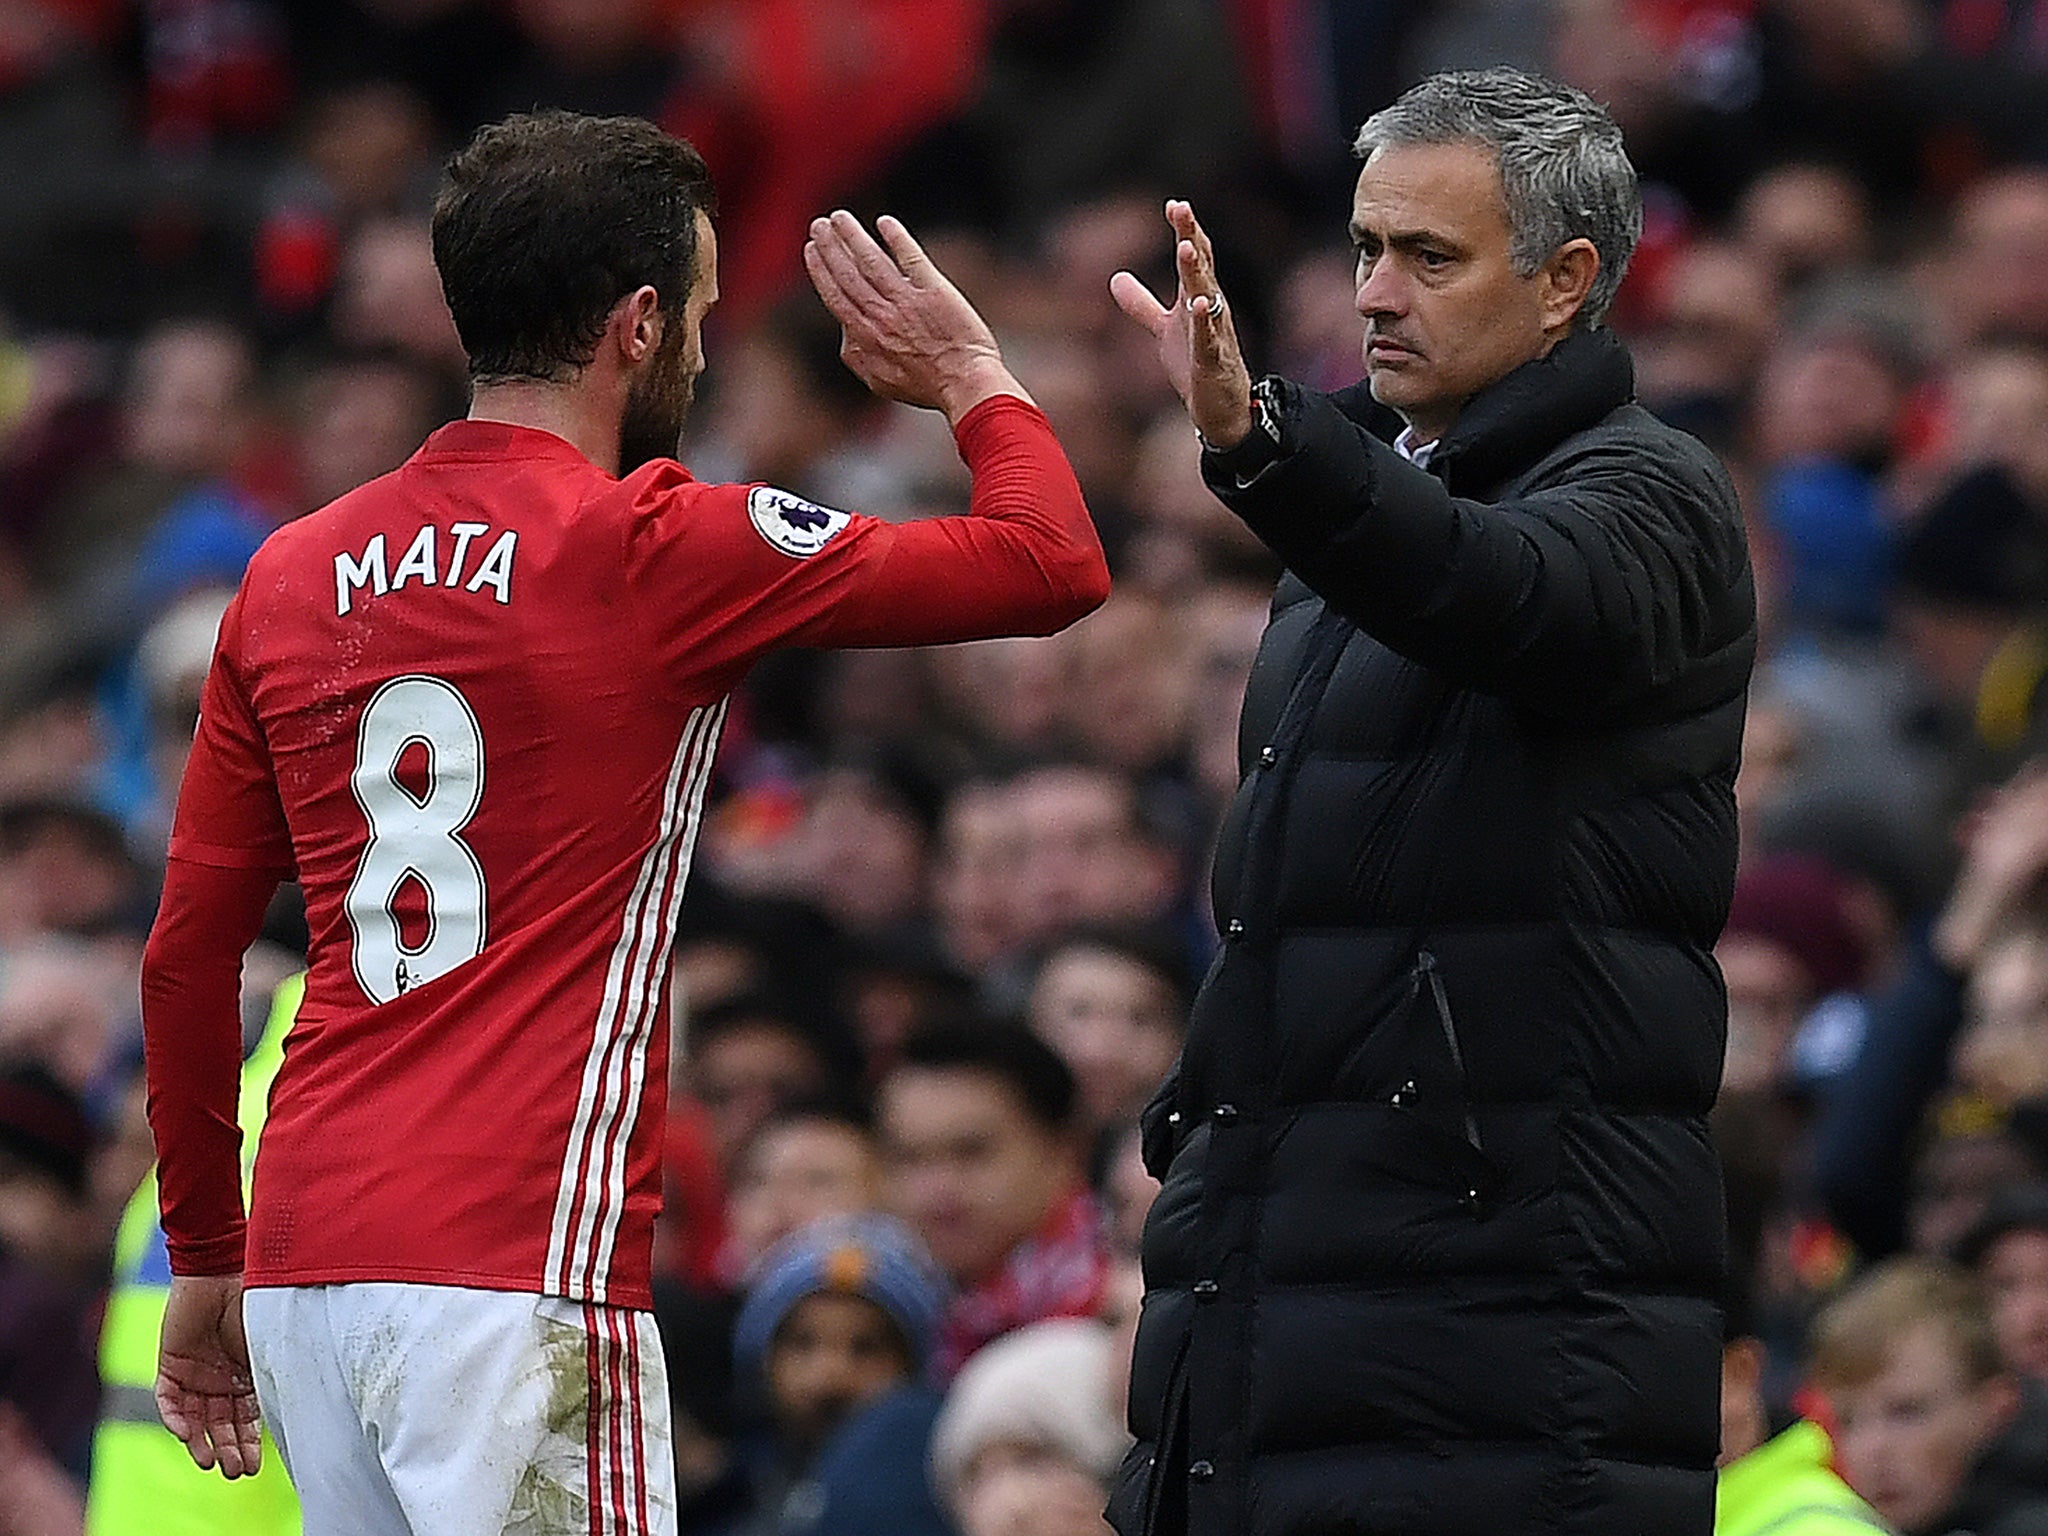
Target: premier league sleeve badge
{"points": [[797, 527]]}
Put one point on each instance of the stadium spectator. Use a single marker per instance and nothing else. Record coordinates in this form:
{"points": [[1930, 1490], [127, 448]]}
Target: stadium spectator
{"points": [[864, 843], [2002, 1053], [984, 1163], [894, 985], [2008, 1250], [1089, 853], [361, 416], [1997, 283], [1181, 536], [1450, 735], [387, 296], [1872, 1121], [1827, 417], [489, 972], [1969, 1151], [981, 854], [1128, 1189], [63, 1003], [806, 1161], [185, 419], [788, 412], [712, 1490], [1774, 1480], [169, 673], [143, 1481], [1225, 628], [837, 1334], [1994, 413], [1804, 220], [1796, 935], [1114, 1004], [1028, 1438], [63, 869], [731, 946], [1005, 697], [1709, 329], [1127, 700], [1930, 1427], [753, 1054], [46, 1368]]}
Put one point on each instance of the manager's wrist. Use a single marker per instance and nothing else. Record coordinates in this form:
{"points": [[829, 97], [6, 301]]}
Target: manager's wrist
{"points": [[1238, 460]]}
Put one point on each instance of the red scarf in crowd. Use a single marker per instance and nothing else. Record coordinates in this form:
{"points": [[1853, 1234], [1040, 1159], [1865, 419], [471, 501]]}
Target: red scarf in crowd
{"points": [[1061, 1271]]}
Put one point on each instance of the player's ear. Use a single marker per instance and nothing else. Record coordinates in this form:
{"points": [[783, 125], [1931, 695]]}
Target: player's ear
{"points": [[636, 324]]}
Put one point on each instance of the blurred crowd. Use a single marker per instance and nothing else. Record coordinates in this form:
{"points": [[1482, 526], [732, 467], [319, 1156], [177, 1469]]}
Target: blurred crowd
{"points": [[948, 907]]}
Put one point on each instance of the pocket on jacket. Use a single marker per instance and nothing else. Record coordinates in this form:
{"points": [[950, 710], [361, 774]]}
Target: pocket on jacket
{"points": [[1361, 1191], [1413, 1061], [1429, 983], [1422, 1149]]}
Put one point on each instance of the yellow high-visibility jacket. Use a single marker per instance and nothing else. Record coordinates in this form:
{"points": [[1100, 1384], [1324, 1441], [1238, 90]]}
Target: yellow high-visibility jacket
{"points": [[144, 1482], [1786, 1487]]}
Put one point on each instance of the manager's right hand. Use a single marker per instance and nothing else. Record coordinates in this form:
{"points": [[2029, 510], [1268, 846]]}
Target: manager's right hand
{"points": [[1197, 337]]}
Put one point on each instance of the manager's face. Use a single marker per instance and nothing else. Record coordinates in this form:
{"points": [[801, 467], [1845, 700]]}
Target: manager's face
{"points": [[1445, 312]]}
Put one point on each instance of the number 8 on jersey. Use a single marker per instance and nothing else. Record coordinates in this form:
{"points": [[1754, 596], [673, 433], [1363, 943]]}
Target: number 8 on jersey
{"points": [[416, 835]]}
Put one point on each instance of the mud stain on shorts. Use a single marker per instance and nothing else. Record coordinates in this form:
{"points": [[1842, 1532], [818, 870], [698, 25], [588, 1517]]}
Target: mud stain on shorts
{"points": [[549, 1498]]}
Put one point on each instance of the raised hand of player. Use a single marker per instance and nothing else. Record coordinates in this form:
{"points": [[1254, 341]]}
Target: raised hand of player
{"points": [[1197, 338], [906, 331], [205, 1393]]}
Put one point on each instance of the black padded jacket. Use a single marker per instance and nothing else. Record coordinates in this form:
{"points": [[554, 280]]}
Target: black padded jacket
{"points": [[1441, 1231]]}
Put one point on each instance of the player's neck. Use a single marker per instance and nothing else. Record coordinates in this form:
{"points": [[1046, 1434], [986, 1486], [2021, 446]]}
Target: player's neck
{"points": [[579, 415]]}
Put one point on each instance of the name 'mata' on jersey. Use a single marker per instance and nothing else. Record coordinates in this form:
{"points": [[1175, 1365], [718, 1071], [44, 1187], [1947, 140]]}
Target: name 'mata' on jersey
{"points": [[473, 706]]}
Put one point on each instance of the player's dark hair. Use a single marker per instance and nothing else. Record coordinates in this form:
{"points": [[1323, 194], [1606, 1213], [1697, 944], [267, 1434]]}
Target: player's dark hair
{"points": [[1004, 1050], [546, 220]]}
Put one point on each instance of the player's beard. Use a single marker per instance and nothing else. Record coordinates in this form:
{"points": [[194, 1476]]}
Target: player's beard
{"points": [[658, 404]]}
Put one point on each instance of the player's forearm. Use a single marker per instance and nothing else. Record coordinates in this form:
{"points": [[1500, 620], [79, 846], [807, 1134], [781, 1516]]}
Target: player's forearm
{"points": [[192, 1041], [1026, 561], [1023, 482]]}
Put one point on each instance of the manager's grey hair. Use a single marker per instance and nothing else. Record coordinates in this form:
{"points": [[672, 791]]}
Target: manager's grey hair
{"points": [[1563, 171]]}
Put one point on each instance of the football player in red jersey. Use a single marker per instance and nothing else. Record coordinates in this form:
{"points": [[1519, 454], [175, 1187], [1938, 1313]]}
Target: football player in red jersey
{"points": [[471, 707]]}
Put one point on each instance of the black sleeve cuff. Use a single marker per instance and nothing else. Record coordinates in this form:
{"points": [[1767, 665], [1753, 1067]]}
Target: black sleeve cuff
{"points": [[1237, 466]]}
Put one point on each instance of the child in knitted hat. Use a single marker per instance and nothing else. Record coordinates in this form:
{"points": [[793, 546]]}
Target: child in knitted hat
{"points": [[1029, 1438], [836, 1333]]}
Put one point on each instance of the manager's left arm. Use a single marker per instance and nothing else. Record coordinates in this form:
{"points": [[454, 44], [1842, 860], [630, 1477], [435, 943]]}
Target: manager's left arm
{"points": [[1620, 573]]}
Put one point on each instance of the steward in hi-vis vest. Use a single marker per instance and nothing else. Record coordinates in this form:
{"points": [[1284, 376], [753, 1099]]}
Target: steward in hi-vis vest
{"points": [[143, 1481]]}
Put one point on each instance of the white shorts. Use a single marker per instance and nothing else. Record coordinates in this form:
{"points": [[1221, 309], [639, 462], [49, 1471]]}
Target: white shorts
{"points": [[437, 1410]]}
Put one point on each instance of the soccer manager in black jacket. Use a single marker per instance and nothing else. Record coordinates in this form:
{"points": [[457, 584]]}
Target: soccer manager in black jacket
{"points": [[1440, 1235]]}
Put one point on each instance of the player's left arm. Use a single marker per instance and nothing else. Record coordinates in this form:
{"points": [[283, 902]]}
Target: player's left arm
{"points": [[229, 849]]}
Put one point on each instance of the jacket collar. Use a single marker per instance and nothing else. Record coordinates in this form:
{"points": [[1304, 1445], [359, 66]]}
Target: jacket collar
{"points": [[1509, 426]]}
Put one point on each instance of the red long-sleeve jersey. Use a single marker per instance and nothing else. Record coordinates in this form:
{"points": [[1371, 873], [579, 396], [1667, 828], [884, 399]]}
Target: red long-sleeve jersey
{"points": [[473, 706]]}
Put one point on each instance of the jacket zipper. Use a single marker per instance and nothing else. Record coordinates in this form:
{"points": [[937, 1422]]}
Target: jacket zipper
{"points": [[1425, 966]]}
